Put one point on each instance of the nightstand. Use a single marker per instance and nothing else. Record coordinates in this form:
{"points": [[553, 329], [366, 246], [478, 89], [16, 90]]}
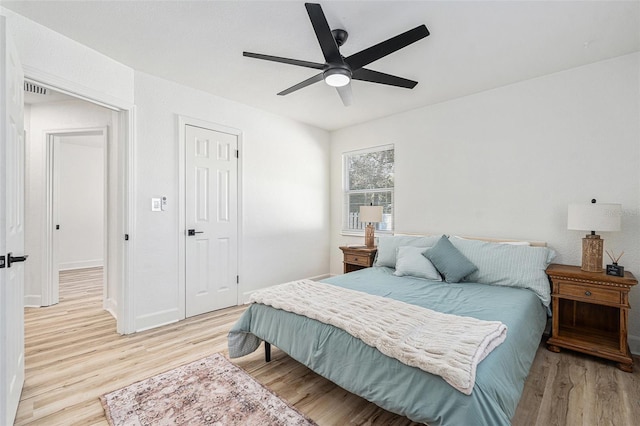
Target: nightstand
{"points": [[590, 312], [358, 258]]}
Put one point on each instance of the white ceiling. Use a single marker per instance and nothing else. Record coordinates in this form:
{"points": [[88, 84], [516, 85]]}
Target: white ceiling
{"points": [[473, 46]]}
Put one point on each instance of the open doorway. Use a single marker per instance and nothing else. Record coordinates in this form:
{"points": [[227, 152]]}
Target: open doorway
{"points": [[72, 193], [76, 204]]}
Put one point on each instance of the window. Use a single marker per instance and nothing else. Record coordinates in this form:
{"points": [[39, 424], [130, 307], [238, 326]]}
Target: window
{"points": [[368, 180]]}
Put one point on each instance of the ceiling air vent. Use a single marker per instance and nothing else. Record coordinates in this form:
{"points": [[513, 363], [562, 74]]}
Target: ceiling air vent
{"points": [[33, 88]]}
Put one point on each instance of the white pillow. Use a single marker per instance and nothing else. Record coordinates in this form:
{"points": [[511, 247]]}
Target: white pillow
{"points": [[410, 261]]}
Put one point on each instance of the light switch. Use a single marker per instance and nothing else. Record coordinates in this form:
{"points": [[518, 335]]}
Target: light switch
{"points": [[156, 205], [163, 205]]}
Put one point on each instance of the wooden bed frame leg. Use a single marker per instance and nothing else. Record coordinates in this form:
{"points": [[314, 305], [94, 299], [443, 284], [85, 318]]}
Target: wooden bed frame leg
{"points": [[267, 352]]}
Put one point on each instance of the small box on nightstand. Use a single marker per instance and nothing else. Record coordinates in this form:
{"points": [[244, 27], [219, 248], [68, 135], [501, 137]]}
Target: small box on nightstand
{"points": [[615, 270]]}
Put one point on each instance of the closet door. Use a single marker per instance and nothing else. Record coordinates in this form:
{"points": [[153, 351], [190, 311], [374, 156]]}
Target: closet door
{"points": [[211, 220]]}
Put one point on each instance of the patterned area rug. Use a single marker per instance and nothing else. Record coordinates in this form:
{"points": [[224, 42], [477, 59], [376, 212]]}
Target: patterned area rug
{"points": [[211, 391]]}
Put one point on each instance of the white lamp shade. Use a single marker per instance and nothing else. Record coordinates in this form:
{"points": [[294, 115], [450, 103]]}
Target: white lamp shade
{"points": [[370, 214], [594, 217]]}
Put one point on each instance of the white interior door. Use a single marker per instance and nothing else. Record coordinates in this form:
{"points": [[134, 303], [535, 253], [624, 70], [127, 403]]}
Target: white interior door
{"points": [[11, 229], [211, 219]]}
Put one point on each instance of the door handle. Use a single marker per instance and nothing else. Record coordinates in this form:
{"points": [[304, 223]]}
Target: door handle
{"points": [[192, 232], [12, 259]]}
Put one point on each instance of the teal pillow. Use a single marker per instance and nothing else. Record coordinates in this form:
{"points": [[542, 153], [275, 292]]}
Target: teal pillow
{"points": [[508, 265], [411, 262], [448, 260], [388, 247]]}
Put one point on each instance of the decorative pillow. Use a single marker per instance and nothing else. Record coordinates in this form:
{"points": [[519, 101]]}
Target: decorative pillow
{"points": [[388, 246], [410, 261], [452, 264], [509, 265]]}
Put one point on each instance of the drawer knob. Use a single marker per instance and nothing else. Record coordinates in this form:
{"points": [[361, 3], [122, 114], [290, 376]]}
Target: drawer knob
{"points": [[587, 293], [355, 258]]}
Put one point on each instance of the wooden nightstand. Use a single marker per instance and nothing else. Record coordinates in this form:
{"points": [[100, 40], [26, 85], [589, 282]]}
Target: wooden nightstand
{"points": [[358, 258], [590, 312]]}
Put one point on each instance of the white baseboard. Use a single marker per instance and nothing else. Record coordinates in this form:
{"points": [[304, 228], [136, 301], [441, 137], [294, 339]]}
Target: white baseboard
{"points": [[319, 277], [634, 344], [32, 301], [110, 305], [245, 296], [92, 263], [157, 319]]}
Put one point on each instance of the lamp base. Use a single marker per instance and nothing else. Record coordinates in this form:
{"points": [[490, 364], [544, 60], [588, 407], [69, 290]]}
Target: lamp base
{"points": [[592, 246], [369, 236]]}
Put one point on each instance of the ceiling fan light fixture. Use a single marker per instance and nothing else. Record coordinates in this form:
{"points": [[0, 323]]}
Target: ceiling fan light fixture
{"points": [[337, 77]]}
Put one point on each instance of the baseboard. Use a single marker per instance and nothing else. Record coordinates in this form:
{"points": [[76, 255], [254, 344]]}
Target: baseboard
{"points": [[319, 277], [245, 296], [92, 263], [111, 306], [157, 319], [634, 344], [32, 301]]}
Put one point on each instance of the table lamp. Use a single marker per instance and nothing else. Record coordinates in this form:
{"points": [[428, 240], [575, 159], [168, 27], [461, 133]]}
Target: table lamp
{"points": [[601, 217], [370, 215]]}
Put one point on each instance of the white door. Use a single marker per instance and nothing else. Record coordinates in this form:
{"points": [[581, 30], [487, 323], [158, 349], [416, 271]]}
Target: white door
{"points": [[212, 220], [11, 229]]}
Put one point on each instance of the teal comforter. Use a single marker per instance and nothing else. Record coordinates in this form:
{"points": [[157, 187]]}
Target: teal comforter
{"points": [[409, 391]]}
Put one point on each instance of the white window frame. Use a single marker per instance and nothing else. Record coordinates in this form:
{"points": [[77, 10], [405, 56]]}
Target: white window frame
{"points": [[346, 192]]}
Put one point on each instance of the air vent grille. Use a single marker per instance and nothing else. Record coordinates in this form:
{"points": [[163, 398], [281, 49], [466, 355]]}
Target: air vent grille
{"points": [[33, 88]]}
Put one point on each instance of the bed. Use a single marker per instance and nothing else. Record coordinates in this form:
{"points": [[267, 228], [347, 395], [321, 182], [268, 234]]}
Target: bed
{"points": [[508, 285]]}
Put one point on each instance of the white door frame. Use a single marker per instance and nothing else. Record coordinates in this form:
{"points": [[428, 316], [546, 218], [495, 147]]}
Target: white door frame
{"points": [[50, 289], [124, 133], [184, 121]]}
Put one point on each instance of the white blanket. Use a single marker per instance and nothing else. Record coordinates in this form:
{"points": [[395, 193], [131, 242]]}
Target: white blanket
{"points": [[447, 345]]}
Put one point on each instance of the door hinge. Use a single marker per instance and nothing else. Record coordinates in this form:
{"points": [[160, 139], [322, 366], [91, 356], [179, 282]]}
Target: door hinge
{"points": [[237, 153], [126, 237], [237, 279]]}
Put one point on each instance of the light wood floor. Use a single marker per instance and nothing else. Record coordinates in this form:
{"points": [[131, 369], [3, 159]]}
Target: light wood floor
{"points": [[74, 355]]}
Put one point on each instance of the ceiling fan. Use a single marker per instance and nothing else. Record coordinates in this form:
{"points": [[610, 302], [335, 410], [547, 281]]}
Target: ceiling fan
{"points": [[338, 71]]}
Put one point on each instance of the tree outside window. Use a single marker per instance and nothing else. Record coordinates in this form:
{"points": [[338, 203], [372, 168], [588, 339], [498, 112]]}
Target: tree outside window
{"points": [[368, 176]]}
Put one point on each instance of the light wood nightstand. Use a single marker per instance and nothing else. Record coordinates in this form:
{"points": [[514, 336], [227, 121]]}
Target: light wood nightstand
{"points": [[358, 258], [590, 313]]}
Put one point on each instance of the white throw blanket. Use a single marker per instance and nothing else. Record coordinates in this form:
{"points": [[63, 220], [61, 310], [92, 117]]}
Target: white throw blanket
{"points": [[447, 345]]}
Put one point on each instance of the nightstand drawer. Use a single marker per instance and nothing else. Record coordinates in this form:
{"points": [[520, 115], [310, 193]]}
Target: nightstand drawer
{"points": [[356, 259], [589, 293]]}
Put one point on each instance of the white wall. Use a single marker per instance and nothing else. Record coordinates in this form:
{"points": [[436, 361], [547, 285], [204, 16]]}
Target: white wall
{"points": [[284, 195], [80, 201], [45, 118], [285, 179], [507, 162], [67, 61]]}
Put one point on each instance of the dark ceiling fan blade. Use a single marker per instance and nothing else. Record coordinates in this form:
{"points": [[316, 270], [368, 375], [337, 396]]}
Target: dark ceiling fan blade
{"points": [[316, 78], [323, 33], [380, 50], [298, 62], [345, 94], [364, 74]]}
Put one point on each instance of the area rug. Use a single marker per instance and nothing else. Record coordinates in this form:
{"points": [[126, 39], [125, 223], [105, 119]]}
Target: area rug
{"points": [[211, 391]]}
